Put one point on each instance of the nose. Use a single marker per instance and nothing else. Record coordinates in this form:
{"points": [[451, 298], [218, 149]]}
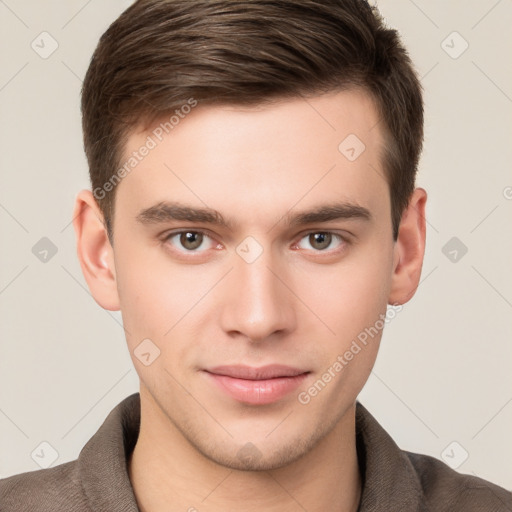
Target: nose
{"points": [[257, 304]]}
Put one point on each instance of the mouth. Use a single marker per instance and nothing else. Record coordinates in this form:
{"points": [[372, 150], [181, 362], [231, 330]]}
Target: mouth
{"points": [[257, 386]]}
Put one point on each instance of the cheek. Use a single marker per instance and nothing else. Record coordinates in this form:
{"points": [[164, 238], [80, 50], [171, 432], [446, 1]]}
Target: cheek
{"points": [[353, 304], [351, 300], [166, 303], [153, 294], [350, 296]]}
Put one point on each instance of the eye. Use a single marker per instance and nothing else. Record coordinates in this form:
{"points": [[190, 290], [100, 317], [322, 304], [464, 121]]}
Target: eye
{"points": [[321, 240], [191, 241]]}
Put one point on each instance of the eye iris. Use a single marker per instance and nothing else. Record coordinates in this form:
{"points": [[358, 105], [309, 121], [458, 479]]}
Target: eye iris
{"points": [[320, 240], [191, 240]]}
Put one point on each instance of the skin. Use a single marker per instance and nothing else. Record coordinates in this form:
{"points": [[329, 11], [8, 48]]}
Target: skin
{"points": [[299, 303]]}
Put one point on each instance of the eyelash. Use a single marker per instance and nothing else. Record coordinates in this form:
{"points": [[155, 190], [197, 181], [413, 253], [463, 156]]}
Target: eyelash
{"points": [[341, 239]]}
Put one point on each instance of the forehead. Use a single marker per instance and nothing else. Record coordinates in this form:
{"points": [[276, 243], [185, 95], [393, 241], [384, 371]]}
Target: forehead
{"points": [[261, 158]]}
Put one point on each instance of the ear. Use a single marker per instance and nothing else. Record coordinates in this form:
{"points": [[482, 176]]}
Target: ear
{"points": [[94, 251], [409, 250]]}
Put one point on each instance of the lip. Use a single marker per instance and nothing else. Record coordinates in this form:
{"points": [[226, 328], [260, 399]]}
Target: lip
{"points": [[257, 386]]}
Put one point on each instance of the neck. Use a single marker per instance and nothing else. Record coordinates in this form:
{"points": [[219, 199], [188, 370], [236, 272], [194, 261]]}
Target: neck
{"points": [[171, 476]]}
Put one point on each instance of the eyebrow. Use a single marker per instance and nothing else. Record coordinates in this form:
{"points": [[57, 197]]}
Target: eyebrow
{"points": [[168, 211]]}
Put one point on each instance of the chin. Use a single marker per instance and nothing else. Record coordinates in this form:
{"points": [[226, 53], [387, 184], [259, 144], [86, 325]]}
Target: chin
{"points": [[253, 457]]}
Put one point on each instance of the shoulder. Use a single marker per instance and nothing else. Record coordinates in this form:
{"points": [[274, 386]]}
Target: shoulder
{"points": [[52, 489], [447, 490]]}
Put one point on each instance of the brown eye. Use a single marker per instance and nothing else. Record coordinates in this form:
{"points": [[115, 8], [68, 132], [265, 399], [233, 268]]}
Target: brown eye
{"points": [[191, 240], [320, 241]]}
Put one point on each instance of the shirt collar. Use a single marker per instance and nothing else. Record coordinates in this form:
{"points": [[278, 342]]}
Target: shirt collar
{"points": [[102, 463], [389, 481]]}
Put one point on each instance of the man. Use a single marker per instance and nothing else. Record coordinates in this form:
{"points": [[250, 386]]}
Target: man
{"points": [[253, 212]]}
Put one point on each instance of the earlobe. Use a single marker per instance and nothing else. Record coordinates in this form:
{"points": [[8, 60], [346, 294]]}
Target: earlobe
{"points": [[94, 251], [409, 250]]}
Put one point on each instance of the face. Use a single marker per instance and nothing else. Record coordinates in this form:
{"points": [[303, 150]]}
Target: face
{"points": [[259, 282]]}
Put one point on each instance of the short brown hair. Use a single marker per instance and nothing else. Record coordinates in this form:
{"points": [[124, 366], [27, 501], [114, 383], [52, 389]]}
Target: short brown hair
{"points": [[160, 53]]}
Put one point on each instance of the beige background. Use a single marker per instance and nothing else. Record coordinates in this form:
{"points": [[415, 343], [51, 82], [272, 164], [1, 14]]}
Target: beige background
{"points": [[444, 371]]}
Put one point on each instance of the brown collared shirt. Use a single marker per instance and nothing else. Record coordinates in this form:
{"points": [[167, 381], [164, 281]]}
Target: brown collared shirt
{"points": [[393, 480]]}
